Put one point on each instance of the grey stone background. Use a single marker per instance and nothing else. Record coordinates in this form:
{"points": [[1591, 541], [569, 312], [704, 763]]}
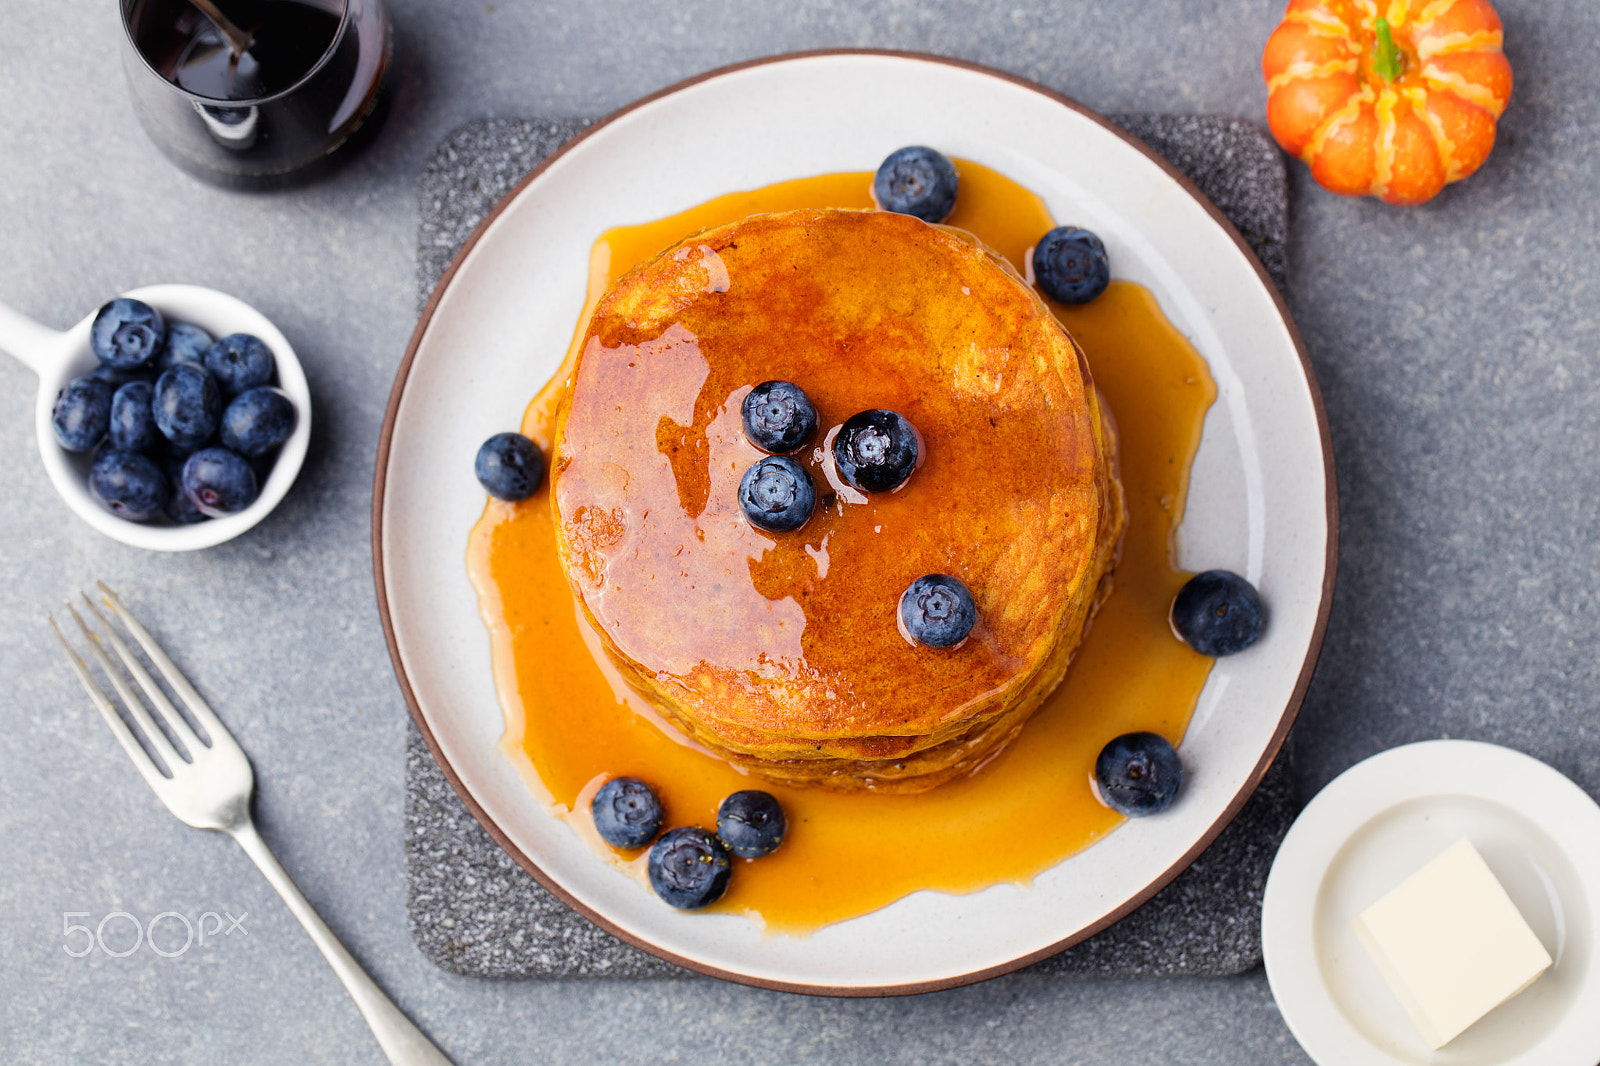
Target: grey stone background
{"points": [[1454, 345]]}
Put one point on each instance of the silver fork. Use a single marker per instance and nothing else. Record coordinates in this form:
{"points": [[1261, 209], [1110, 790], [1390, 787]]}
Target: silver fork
{"points": [[207, 783]]}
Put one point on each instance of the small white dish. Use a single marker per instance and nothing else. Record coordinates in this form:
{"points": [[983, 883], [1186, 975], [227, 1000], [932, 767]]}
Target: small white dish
{"points": [[1378, 823], [58, 357]]}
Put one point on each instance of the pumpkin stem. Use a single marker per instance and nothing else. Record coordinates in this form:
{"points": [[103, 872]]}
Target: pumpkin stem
{"points": [[1386, 59]]}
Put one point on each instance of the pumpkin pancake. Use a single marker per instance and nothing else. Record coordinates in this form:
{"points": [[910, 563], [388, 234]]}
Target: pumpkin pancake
{"points": [[782, 651]]}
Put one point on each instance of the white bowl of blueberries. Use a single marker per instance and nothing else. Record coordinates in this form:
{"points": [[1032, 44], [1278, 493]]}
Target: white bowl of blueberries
{"points": [[173, 418]]}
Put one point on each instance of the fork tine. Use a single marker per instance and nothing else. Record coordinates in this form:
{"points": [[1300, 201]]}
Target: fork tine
{"points": [[130, 699], [178, 722], [169, 669], [119, 728]]}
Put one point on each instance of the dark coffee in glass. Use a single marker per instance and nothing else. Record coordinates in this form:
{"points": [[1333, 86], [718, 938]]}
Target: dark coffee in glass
{"points": [[310, 81]]}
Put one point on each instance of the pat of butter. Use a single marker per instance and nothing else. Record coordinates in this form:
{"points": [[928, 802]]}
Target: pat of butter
{"points": [[1451, 943]]}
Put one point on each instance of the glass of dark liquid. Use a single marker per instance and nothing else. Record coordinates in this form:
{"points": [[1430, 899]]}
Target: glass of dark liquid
{"points": [[268, 115]]}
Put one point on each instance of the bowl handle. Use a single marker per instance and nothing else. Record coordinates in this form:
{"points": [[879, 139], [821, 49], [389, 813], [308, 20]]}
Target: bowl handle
{"points": [[36, 347]]}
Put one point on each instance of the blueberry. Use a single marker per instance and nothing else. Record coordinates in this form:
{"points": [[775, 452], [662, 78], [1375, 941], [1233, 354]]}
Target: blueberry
{"points": [[1218, 613], [626, 813], [187, 405], [184, 344], [751, 823], [917, 181], [778, 417], [263, 466], [1070, 265], [126, 333], [117, 376], [937, 611], [82, 413], [777, 494], [239, 361], [689, 868], [257, 420], [218, 482], [509, 466], [179, 507], [1138, 774], [875, 451], [133, 424], [128, 484]]}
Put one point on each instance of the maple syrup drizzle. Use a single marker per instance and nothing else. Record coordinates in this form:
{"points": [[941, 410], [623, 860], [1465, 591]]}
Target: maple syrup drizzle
{"points": [[571, 722]]}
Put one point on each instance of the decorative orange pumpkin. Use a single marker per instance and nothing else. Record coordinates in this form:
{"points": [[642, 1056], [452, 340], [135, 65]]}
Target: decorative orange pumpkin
{"points": [[1390, 98]]}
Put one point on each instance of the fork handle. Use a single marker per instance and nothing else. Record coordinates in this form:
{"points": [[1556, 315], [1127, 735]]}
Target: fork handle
{"points": [[401, 1041]]}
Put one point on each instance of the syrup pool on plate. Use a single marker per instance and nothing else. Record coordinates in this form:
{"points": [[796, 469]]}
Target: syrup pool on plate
{"points": [[571, 722]]}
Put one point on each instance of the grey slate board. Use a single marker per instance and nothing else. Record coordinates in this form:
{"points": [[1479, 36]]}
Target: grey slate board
{"points": [[474, 911]]}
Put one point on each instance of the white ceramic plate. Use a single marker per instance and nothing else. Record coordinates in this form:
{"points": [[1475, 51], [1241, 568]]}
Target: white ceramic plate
{"points": [[1374, 826], [1261, 500]]}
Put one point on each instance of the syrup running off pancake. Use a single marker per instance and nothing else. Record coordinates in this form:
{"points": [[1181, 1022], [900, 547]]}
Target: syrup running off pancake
{"points": [[572, 722]]}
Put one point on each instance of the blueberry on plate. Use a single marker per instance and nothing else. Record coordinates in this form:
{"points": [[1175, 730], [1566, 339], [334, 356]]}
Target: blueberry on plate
{"points": [[937, 611], [256, 421], [184, 344], [626, 812], [1138, 774], [133, 424], [1218, 613], [778, 417], [82, 413], [751, 823], [187, 405], [689, 868], [239, 361], [916, 181], [1070, 265], [509, 466], [126, 333], [218, 482], [777, 495], [128, 484], [876, 451], [179, 507]]}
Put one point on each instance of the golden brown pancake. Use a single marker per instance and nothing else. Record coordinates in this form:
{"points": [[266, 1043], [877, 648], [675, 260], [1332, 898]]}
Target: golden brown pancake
{"points": [[782, 650]]}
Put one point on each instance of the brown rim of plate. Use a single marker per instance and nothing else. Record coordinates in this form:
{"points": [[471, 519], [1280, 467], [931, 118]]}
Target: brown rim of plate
{"points": [[1291, 709]]}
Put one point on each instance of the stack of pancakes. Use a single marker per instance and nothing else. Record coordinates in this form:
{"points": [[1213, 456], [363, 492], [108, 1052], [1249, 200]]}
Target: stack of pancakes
{"points": [[781, 651]]}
